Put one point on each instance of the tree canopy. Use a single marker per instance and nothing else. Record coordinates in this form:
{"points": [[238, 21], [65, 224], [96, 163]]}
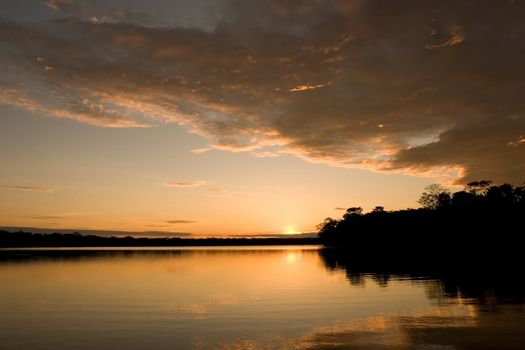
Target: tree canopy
{"points": [[444, 218]]}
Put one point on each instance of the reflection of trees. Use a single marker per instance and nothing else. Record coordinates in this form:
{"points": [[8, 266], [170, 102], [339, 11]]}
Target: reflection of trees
{"points": [[489, 284], [478, 306]]}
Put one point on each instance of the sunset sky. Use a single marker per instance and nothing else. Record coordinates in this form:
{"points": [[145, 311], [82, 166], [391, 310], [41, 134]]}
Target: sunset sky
{"points": [[251, 116]]}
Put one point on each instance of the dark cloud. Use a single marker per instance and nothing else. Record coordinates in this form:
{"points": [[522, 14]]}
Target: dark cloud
{"points": [[488, 149], [420, 87]]}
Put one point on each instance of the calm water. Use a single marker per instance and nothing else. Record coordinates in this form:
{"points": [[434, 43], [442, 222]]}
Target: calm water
{"points": [[244, 298]]}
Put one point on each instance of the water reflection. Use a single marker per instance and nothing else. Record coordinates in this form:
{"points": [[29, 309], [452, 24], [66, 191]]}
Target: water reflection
{"points": [[487, 283], [477, 306], [255, 298]]}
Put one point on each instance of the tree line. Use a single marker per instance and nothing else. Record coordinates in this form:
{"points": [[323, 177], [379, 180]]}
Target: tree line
{"points": [[476, 220], [28, 239]]}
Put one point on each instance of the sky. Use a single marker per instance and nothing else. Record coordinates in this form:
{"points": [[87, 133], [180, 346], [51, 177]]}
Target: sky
{"points": [[248, 116]]}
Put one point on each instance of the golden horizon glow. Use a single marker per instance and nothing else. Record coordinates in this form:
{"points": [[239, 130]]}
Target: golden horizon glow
{"points": [[164, 129], [290, 230]]}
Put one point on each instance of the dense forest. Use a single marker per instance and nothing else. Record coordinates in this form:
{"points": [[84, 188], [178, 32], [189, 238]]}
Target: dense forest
{"points": [[482, 219]]}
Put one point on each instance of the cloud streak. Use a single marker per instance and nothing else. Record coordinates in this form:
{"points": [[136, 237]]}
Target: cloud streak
{"points": [[437, 92], [220, 192], [46, 217], [38, 189], [186, 184], [59, 5], [174, 222], [307, 87]]}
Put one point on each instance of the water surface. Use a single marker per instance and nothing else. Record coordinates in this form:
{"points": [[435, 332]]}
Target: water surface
{"points": [[245, 298]]}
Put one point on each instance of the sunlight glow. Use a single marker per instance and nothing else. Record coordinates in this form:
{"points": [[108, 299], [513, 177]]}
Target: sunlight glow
{"points": [[291, 257], [290, 230]]}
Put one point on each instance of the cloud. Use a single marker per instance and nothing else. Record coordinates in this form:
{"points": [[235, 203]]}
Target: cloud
{"points": [[29, 188], [265, 154], [456, 38], [186, 184], [60, 216], [46, 217], [60, 5], [219, 192], [340, 208], [181, 221], [201, 150], [444, 79], [519, 141], [306, 87], [103, 233], [488, 140]]}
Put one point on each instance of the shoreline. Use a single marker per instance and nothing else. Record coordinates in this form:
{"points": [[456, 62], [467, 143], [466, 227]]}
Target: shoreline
{"points": [[69, 240]]}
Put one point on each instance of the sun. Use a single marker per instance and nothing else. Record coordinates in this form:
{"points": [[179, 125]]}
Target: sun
{"points": [[290, 230]]}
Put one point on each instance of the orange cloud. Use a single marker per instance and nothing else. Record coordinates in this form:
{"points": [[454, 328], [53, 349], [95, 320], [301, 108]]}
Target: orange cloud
{"points": [[306, 87]]}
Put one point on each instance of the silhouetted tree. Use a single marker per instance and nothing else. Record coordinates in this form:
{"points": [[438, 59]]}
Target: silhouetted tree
{"points": [[327, 228], [503, 197], [353, 212], [464, 199], [378, 209], [479, 188], [434, 196]]}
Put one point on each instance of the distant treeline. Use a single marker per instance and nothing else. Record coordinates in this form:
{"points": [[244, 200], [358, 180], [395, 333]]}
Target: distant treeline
{"points": [[27, 239], [483, 220]]}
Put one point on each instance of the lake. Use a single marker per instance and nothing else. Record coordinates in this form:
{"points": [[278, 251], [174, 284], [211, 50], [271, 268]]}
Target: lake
{"points": [[285, 297]]}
